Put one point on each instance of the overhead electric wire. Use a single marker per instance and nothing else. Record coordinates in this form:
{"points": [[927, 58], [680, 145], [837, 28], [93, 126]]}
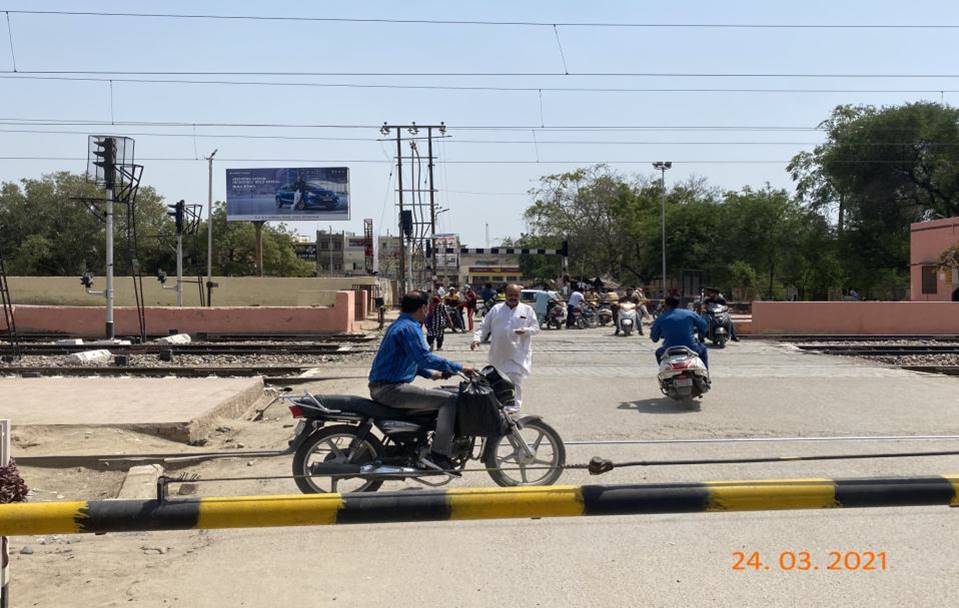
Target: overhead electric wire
{"points": [[489, 22], [256, 125], [441, 87], [724, 161], [492, 74], [605, 142]]}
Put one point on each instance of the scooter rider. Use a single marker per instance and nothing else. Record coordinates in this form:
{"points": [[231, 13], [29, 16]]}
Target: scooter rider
{"points": [[403, 354], [675, 326], [714, 296]]}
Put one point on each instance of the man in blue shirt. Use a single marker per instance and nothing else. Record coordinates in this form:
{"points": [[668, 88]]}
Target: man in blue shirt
{"points": [[675, 326], [403, 354]]}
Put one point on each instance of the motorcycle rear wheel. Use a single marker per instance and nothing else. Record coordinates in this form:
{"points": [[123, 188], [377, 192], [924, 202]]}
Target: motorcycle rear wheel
{"points": [[548, 451], [337, 444]]}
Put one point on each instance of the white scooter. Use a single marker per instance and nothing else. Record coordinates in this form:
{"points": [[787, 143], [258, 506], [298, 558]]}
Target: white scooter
{"points": [[682, 374], [628, 320]]}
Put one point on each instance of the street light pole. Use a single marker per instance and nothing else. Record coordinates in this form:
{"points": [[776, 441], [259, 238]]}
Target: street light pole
{"points": [[662, 166], [209, 231]]}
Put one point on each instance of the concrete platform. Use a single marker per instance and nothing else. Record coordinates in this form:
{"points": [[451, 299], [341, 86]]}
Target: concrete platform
{"points": [[181, 409]]}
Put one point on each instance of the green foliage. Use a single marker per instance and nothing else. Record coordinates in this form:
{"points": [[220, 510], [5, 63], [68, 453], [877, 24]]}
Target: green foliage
{"points": [[878, 171], [752, 241], [45, 231]]}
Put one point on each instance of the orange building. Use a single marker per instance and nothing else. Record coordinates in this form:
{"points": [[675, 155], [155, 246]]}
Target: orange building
{"points": [[927, 241]]}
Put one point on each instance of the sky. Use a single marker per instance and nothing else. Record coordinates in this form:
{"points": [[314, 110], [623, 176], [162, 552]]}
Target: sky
{"points": [[758, 130]]}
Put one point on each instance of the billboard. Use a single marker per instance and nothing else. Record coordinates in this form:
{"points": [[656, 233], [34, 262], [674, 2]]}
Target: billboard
{"points": [[304, 194]]}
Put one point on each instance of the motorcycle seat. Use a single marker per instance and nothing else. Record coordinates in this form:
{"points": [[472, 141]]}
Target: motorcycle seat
{"points": [[678, 351], [367, 407]]}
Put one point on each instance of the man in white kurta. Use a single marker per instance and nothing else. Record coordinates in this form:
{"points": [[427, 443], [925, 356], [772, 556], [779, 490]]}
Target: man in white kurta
{"points": [[511, 326]]}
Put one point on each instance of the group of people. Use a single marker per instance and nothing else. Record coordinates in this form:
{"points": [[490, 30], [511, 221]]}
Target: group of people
{"points": [[405, 354], [407, 348], [448, 308]]}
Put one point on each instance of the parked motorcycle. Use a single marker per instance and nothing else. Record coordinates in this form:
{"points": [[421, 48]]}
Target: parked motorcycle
{"points": [[584, 316], [682, 374], [336, 450], [604, 315], [717, 323], [629, 319], [556, 314]]}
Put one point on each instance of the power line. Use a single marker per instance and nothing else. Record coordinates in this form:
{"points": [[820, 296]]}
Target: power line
{"points": [[571, 128], [474, 162], [604, 142], [485, 74], [441, 87], [897, 26]]}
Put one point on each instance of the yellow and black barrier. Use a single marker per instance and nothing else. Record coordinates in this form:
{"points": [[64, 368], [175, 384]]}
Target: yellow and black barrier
{"points": [[472, 503]]}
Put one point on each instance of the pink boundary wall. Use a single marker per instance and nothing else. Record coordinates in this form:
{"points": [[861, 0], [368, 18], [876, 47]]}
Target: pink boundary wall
{"points": [[88, 321], [853, 318]]}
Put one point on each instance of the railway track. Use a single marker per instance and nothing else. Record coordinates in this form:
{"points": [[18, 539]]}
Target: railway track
{"points": [[277, 372], [212, 348], [216, 337], [882, 350], [800, 338]]}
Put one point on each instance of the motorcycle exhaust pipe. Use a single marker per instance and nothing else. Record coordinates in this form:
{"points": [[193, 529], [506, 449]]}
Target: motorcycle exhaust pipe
{"points": [[367, 470], [336, 468]]}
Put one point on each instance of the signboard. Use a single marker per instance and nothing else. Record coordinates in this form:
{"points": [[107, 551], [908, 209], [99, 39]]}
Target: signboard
{"points": [[304, 194]]}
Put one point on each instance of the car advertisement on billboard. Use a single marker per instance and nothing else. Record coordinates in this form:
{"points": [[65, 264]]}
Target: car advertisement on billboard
{"points": [[291, 195]]}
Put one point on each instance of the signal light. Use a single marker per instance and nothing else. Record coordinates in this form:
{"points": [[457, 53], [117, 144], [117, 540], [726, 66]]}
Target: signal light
{"points": [[296, 410], [106, 154], [177, 214]]}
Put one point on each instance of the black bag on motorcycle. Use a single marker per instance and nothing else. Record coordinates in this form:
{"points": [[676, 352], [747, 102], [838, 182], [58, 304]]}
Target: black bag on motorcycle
{"points": [[478, 412], [502, 386]]}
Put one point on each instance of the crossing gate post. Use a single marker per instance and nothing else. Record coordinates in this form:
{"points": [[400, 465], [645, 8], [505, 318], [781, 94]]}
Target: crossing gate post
{"points": [[4, 553]]}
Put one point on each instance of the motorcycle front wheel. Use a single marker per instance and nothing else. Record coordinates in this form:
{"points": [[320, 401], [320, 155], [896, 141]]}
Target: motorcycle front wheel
{"points": [[336, 445], [509, 466]]}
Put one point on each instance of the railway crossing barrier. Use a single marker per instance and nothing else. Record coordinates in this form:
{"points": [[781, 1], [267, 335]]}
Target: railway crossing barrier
{"points": [[106, 516]]}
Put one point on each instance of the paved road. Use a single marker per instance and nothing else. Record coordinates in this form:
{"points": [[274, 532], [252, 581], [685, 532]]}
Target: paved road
{"points": [[590, 386]]}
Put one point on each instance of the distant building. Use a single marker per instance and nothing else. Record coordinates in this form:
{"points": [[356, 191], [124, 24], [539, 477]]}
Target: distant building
{"points": [[496, 268], [446, 266], [388, 256], [927, 242], [344, 251]]}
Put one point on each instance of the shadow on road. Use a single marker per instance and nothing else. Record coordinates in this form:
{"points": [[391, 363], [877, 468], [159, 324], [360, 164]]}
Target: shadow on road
{"points": [[661, 405]]}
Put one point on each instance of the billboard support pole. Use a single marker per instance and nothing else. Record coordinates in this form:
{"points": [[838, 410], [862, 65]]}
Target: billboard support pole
{"points": [[258, 230]]}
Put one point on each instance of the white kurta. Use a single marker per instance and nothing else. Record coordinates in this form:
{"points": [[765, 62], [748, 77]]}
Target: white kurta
{"points": [[508, 352]]}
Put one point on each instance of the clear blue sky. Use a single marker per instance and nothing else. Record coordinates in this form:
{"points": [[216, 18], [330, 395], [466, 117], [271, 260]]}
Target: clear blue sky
{"points": [[113, 43]]}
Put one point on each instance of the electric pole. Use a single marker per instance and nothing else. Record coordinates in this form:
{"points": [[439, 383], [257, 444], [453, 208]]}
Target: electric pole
{"points": [[416, 227], [209, 231], [663, 166]]}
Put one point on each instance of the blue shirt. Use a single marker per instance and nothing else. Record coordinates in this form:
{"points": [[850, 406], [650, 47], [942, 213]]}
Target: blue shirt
{"points": [[403, 354], [675, 327]]}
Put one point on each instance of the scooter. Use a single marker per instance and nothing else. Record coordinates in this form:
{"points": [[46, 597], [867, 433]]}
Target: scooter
{"points": [[604, 314], [717, 323], [629, 319], [682, 374], [556, 314]]}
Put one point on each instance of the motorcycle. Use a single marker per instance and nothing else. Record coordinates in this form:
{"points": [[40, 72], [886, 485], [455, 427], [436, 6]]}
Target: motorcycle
{"points": [[629, 319], [717, 323], [335, 449], [604, 314], [455, 318], [556, 314], [682, 374], [584, 316]]}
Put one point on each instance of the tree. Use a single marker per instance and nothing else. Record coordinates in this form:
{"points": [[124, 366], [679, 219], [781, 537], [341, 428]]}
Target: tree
{"points": [[886, 168], [234, 248], [44, 230]]}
